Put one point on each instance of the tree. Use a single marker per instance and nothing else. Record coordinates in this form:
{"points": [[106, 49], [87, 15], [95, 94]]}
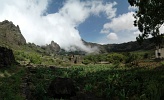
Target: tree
{"points": [[149, 18]]}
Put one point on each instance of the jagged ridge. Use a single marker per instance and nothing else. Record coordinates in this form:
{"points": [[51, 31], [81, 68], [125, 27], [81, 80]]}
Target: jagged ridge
{"points": [[11, 36]]}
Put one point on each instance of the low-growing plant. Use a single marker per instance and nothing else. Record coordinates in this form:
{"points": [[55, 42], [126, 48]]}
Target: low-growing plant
{"points": [[10, 86]]}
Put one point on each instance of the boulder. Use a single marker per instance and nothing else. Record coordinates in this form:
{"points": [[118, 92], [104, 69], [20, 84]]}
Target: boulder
{"points": [[62, 88], [6, 57]]}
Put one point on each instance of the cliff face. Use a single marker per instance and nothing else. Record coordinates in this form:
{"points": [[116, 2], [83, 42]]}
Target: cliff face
{"points": [[11, 34], [6, 57]]}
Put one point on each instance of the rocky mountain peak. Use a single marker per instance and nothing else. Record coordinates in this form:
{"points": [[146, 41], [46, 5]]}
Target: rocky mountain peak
{"points": [[11, 34], [54, 46]]}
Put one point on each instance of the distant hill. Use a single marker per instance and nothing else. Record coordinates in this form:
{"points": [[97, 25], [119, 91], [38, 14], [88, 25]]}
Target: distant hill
{"points": [[10, 36], [130, 46], [123, 47]]}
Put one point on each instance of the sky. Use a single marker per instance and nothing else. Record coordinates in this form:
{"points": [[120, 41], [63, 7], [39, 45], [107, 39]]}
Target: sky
{"points": [[67, 22]]}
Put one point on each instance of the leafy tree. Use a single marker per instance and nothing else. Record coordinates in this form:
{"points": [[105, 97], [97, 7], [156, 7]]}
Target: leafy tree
{"points": [[149, 18]]}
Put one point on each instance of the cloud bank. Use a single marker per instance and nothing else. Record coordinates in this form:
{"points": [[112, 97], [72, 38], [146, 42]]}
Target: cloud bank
{"points": [[121, 26], [40, 27], [112, 36], [122, 29]]}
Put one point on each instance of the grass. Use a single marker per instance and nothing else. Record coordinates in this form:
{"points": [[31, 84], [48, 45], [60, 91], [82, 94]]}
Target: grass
{"points": [[104, 81], [108, 82], [10, 82]]}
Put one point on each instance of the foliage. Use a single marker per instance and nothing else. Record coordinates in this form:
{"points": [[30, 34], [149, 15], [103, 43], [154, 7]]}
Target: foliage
{"points": [[34, 58], [116, 58], [104, 81], [149, 18], [40, 82], [97, 58], [24, 56], [132, 57], [92, 58], [86, 61], [10, 84]]}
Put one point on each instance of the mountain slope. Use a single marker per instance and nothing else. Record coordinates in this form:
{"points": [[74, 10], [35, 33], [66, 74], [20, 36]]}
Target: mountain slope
{"points": [[123, 47], [10, 34], [130, 46]]}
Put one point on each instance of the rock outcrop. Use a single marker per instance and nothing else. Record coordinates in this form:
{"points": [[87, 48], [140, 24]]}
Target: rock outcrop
{"points": [[52, 48], [6, 57], [11, 34]]}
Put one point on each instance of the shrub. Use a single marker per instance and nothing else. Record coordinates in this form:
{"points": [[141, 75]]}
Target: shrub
{"points": [[86, 61], [116, 58]]}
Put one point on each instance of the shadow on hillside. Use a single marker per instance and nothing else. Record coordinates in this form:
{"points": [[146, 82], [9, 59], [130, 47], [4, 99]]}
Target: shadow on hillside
{"points": [[113, 84], [134, 83]]}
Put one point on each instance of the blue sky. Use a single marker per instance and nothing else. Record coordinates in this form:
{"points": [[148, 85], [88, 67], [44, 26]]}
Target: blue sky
{"points": [[68, 21], [90, 29]]}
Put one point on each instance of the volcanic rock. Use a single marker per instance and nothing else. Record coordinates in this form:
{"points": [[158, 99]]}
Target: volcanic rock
{"points": [[6, 57], [11, 34]]}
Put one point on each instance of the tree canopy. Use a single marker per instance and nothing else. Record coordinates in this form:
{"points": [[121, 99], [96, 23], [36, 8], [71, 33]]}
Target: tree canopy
{"points": [[149, 18]]}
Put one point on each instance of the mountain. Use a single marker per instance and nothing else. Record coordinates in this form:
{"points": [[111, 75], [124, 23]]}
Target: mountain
{"points": [[51, 48], [10, 34], [101, 48], [123, 47], [130, 46]]}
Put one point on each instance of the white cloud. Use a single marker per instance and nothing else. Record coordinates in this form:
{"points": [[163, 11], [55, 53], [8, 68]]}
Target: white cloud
{"points": [[123, 22], [112, 36], [39, 27], [161, 29], [96, 8], [121, 26], [132, 8], [137, 32]]}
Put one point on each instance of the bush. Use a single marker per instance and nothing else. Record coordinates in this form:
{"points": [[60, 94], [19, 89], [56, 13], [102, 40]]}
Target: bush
{"points": [[24, 56], [86, 61], [34, 58], [132, 57], [116, 58]]}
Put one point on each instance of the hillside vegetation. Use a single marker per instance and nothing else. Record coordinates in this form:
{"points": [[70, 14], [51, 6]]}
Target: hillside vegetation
{"points": [[127, 71]]}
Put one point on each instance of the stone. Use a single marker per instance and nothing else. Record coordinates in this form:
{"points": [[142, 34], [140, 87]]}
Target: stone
{"points": [[62, 88], [6, 57]]}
